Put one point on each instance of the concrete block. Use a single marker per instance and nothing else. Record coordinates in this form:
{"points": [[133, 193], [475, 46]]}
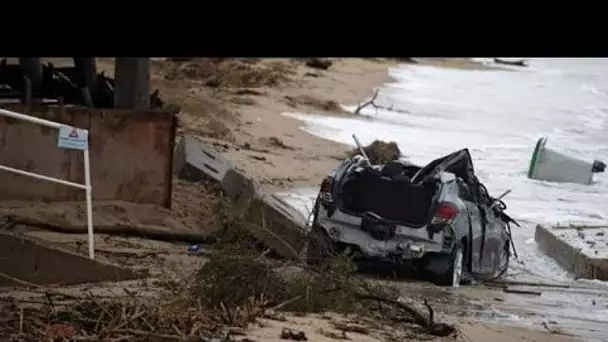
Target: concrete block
{"points": [[271, 220], [582, 250], [195, 161], [38, 262]]}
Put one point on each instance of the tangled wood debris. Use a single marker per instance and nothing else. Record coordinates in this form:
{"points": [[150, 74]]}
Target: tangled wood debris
{"points": [[372, 102], [237, 284]]}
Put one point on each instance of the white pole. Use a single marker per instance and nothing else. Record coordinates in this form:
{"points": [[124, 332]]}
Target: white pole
{"points": [[29, 118], [88, 189], [46, 178], [87, 172]]}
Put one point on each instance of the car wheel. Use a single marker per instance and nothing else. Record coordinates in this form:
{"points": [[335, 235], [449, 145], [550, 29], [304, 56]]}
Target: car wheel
{"points": [[454, 274], [320, 247]]}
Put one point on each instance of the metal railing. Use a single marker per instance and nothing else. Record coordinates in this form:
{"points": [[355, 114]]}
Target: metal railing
{"points": [[87, 170]]}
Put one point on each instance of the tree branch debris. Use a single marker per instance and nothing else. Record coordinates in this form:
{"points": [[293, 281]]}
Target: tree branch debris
{"points": [[236, 286], [372, 102]]}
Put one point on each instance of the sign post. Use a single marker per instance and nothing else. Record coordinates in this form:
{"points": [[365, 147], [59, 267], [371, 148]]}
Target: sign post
{"points": [[78, 139], [69, 137]]}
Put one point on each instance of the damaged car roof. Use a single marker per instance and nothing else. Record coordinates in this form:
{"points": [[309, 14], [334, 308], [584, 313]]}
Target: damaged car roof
{"points": [[458, 163]]}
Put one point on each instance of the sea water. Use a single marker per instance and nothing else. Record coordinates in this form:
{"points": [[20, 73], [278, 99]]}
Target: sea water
{"points": [[498, 115]]}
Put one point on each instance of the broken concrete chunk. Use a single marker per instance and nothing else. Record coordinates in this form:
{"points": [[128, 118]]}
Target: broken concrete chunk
{"points": [[272, 221], [195, 161], [35, 261], [569, 253]]}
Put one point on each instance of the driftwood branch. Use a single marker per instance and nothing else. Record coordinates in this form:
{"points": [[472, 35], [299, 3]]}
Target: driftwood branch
{"points": [[435, 329], [372, 102], [367, 103], [148, 231], [519, 63]]}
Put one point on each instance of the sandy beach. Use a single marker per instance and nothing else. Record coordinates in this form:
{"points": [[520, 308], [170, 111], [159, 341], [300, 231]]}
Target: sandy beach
{"points": [[237, 106], [243, 119], [261, 142]]}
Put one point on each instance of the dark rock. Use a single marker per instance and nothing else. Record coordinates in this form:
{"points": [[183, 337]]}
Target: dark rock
{"points": [[319, 63], [288, 334], [520, 63]]}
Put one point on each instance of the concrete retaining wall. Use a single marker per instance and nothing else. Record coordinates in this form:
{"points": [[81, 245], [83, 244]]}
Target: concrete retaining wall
{"points": [[34, 261], [131, 155], [570, 257]]}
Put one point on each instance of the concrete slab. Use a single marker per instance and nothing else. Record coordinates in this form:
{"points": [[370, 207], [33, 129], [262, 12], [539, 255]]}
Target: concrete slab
{"points": [[583, 250], [194, 161], [275, 222], [39, 262]]}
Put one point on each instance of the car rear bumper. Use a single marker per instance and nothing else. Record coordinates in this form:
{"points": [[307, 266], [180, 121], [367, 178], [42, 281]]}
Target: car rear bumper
{"points": [[407, 243]]}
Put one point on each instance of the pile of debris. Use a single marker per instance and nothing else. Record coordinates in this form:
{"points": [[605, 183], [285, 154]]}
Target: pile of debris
{"points": [[379, 152], [54, 317], [77, 85], [237, 286], [230, 72]]}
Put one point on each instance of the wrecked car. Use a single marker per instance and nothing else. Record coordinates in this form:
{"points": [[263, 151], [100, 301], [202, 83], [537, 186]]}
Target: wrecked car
{"points": [[439, 217]]}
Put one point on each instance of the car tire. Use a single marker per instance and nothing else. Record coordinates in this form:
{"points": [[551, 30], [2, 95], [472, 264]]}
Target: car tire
{"points": [[453, 277], [320, 247]]}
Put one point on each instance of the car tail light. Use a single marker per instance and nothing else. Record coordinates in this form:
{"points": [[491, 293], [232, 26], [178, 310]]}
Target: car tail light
{"points": [[445, 214]]}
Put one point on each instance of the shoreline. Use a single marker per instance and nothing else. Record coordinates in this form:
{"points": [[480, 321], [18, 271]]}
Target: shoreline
{"points": [[271, 147], [306, 158], [311, 157], [244, 122], [303, 159]]}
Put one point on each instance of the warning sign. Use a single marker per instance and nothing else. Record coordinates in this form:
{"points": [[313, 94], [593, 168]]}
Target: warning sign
{"points": [[73, 138]]}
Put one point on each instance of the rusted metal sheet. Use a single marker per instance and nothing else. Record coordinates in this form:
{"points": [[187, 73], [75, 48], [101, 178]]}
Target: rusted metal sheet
{"points": [[131, 155]]}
